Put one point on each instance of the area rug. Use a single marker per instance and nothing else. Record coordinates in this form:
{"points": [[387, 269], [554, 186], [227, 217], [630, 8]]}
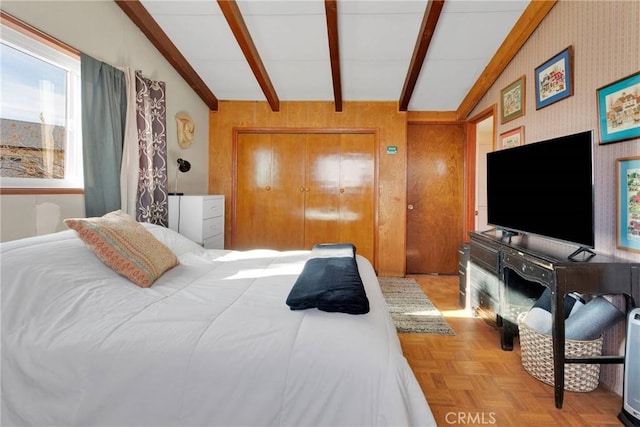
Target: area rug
{"points": [[411, 310]]}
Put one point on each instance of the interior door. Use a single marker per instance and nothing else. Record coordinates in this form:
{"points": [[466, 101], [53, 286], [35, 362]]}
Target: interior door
{"points": [[484, 145], [435, 183]]}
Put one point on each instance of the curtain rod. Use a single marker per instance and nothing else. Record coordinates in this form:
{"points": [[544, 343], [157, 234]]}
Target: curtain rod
{"points": [[30, 30]]}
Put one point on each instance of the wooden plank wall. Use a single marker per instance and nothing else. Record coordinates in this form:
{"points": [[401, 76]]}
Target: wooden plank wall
{"points": [[390, 124]]}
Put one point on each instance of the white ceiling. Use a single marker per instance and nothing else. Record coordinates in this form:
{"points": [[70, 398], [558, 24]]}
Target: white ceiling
{"points": [[377, 40]]}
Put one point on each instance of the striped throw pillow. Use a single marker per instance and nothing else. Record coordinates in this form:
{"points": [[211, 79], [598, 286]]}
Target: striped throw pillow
{"points": [[125, 245]]}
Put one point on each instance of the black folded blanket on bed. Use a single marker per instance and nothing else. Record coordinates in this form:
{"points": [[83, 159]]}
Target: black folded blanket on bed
{"points": [[330, 281]]}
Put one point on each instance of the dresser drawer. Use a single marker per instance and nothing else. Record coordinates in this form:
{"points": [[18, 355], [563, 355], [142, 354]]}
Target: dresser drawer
{"points": [[212, 208], [462, 299], [197, 217], [485, 256], [215, 242], [463, 255], [487, 308], [212, 227], [462, 280], [528, 267], [484, 281]]}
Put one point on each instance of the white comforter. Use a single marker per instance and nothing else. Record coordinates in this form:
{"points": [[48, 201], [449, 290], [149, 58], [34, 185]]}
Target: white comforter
{"points": [[212, 342]]}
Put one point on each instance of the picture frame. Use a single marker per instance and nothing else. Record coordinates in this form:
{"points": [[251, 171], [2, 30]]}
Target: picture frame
{"points": [[512, 138], [628, 204], [554, 79], [512, 100], [619, 120]]}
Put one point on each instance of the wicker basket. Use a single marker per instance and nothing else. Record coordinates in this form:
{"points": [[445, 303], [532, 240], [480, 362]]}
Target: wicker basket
{"points": [[537, 359]]}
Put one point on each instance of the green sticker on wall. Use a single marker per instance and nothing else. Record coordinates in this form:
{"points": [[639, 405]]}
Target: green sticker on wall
{"points": [[392, 149]]}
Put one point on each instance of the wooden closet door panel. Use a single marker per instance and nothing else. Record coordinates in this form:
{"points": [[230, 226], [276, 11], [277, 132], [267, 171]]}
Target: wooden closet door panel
{"points": [[296, 190], [357, 192], [253, 178], [322, 182], [285, 222], [269, 205]]}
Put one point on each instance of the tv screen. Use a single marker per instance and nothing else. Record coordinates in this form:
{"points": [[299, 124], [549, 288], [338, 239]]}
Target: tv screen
{"points": [[544, 188]]}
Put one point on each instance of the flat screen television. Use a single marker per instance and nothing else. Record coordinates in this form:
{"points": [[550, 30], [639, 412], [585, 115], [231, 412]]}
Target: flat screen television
{"points": [[544, 188]]}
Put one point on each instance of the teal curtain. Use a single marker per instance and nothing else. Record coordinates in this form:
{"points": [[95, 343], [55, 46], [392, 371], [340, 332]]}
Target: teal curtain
{"points": [[104, 107]]}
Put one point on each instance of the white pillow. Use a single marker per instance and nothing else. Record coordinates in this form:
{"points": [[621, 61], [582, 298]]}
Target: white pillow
{"points": [[178, 244]]}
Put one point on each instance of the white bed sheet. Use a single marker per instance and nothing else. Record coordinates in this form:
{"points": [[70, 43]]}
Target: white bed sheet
{"points": [[212, 342]]}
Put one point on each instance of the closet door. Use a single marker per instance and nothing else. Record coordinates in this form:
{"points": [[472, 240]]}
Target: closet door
{"points": [[293, 191], [357, 192], [340, 190], [322, 189], [269, 202]]}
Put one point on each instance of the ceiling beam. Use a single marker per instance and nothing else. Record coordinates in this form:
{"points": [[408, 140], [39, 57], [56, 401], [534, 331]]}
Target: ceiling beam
{"points": [[232, 13], [428, 27], [522, 30], [150, 28], [331, 10]]}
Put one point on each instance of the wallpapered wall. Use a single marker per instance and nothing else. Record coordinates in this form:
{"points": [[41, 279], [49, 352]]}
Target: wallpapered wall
{"points": [[605, 38], [606, 46]]}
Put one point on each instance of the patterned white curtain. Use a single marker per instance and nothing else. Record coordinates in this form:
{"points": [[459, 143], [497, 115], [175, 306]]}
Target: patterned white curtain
{"points": [[129, 170], [151, 201]]}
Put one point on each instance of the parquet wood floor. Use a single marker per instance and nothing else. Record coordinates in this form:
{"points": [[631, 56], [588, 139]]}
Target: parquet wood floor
{"points": [[469, 380]]}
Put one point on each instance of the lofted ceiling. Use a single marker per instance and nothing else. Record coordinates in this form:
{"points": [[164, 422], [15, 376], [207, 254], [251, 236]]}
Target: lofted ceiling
{"points": [[437, 55]]}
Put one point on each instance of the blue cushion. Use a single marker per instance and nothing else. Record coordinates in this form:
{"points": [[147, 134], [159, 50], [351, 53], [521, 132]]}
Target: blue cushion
{"points": [[593, 320], [330, 283]]}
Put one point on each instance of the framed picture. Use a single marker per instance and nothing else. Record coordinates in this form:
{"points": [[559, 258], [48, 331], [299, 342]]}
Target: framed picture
{"points": [[512, 100], [512, 138], [628, 203], [619, 109], [554, 79]]}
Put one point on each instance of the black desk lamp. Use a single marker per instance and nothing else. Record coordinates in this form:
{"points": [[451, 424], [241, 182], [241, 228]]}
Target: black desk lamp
{"points": [[183, 166]]}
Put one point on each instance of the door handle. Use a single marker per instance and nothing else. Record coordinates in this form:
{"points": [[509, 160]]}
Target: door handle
{"points": [[410, 207]]}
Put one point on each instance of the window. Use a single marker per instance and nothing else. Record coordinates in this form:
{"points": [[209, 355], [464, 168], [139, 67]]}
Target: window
{"points": [[40, 114]]}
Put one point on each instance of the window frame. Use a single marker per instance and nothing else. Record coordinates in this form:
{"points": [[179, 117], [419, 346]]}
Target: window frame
{"points": [[25, 38]]}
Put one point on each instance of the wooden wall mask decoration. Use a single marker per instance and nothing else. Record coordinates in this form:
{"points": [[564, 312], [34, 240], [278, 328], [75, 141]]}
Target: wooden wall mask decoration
{"points": [[185, 129]]}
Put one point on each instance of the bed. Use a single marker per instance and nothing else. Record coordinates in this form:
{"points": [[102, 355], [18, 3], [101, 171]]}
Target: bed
{"points": [[211, 342]]}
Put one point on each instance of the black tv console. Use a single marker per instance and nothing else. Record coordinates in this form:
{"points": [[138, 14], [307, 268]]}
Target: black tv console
{"points": [[507, 275]]}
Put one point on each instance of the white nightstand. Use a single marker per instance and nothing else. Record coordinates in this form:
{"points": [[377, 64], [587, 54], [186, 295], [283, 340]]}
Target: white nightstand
{"points": [[199, 218]]}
